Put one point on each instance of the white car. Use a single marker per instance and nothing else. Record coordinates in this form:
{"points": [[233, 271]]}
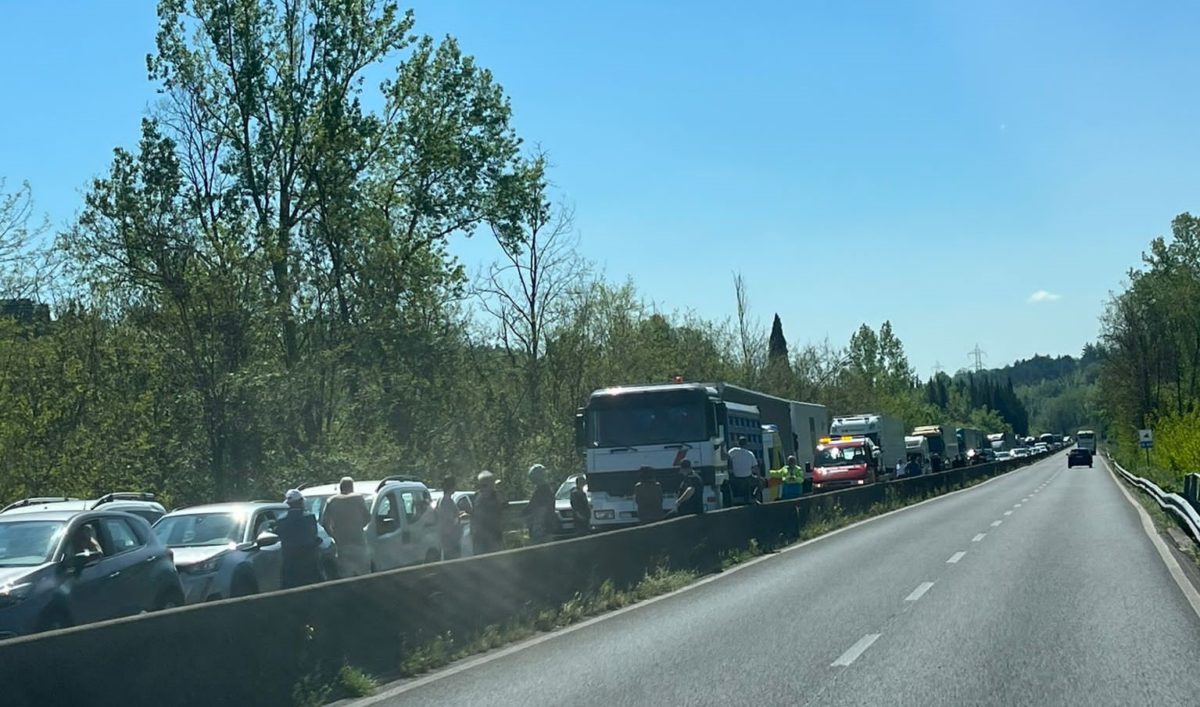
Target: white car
{"points": [[1003, 455], [1040, 449], [402, 530], [1020, 453]]}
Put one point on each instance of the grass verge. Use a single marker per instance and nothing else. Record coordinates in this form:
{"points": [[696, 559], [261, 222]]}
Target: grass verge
{"points": [[447, 649]]}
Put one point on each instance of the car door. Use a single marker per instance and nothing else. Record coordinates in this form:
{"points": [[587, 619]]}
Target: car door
{"points": [[93, 591], [132, 563], [421, 541], [386, 536], [266, 561]]}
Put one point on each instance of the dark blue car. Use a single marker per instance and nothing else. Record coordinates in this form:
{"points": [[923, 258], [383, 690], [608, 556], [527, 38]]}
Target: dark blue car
{"points": [[62, 568]]}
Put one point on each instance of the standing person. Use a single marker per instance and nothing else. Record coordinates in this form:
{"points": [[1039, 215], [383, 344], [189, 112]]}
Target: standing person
{"points": [[487, 529], [298, 543], [913, 468], [793, 479], [581, 508], [900, 467], [345, 518], [690, 500], [448, 516], [742, 470], [539, 512], [648, 495]]}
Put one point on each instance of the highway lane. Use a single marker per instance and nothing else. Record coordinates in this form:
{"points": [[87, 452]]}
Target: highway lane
{"points": [[1038, 587]]}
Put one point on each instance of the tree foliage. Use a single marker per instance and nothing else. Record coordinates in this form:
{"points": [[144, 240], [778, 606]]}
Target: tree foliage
{"points": [[261, 291]]}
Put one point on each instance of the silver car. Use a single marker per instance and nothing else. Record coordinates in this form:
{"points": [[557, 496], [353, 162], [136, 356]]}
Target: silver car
{"points": [[229, 550]]}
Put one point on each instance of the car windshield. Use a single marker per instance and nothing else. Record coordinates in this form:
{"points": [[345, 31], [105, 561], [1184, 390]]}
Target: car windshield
{"points": [[564, 491], [839, 456], [201, 529], [316, 504], [30, 542]]}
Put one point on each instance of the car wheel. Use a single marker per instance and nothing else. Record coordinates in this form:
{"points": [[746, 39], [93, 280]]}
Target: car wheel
{"points": [[243, 586]]}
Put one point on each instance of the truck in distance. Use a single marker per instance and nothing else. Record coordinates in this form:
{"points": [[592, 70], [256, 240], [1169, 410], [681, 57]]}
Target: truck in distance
{"points": [[623, 429], [886, 432], [943, 444]]}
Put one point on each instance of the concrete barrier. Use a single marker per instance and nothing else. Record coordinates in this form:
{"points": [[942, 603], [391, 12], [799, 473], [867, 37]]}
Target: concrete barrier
{"points": [[253, 651]]}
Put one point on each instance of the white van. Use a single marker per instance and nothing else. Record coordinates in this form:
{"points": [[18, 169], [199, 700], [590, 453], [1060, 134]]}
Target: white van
{"points": [[402, 530]]}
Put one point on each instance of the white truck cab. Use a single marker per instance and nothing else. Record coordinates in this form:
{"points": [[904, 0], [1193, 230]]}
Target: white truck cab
{"points": [[402, 530]]}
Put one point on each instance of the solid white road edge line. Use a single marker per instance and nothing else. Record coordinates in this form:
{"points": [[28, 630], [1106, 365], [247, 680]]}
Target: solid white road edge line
{"points": [[1185, 585], [979, 537], [855, 650], [955, 558], [919, 591], [469, 663]]}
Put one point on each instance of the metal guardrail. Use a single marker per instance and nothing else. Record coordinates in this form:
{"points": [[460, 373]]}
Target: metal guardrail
{"points": [[1170, 502]]}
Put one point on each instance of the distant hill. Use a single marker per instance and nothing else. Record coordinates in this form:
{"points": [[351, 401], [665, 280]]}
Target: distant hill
{"points": [[1057, 391]]}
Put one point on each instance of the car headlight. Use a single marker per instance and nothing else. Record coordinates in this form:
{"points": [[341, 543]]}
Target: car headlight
{"points": [[206, 567], [11, 594], [608, 514]]}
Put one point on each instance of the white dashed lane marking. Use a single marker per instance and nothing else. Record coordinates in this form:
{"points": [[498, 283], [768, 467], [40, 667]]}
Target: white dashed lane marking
{"points": [[855, 650], [919, 591], [978, 537], [955, 558], [996, 523], [1007, 513]]}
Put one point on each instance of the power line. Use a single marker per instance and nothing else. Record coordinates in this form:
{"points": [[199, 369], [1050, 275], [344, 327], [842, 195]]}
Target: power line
{"points": [[978, 354]]}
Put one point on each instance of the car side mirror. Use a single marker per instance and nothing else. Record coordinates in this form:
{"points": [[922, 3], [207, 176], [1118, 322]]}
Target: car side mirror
{"points": [[266, 539]]}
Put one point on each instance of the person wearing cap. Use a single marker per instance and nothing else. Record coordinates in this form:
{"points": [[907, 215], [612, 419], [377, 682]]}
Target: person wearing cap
{"points": [[345, 518], [298, 543], [539, 512], [487, 531]]}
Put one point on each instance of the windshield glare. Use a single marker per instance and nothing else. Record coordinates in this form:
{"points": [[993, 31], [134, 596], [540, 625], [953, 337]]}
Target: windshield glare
{"points": [[200, 529], [646, 422], [836, 456], [29, 543]]}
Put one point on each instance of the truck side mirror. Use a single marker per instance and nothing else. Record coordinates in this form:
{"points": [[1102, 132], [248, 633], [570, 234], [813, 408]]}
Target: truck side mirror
{"points": [[580, 430]]}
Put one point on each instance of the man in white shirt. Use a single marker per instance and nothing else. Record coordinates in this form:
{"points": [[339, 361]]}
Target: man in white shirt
{"points": [[742, 467]]}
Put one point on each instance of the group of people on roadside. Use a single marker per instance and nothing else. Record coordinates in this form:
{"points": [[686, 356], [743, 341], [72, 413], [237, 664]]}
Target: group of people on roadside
{"points": [[346, 515]]}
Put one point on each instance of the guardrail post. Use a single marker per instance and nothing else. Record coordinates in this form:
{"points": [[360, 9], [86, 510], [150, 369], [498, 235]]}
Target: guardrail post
{"points": [[1191, 490]]}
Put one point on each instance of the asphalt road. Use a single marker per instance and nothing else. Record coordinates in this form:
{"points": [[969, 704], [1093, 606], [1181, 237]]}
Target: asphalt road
{"points": [[1037, 588]]}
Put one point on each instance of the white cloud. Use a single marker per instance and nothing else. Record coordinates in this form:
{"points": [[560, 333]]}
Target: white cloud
{"points": [[1043, 296]]}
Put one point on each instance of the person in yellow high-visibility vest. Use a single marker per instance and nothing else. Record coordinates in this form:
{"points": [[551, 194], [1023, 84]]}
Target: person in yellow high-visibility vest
{"points": [[792, 476]]}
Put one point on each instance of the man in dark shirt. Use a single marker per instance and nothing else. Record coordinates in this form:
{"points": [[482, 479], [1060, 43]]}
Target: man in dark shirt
{"points": [[648, 495], [581, 508], [691, 491], [487, 529], [298, 543]]}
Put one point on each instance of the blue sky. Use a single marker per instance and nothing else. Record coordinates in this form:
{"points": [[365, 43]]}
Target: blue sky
{"points": [[931, 163]]}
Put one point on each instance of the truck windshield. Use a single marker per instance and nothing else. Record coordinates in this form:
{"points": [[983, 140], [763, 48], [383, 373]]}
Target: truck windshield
{"points": [[838, 456], [632, 420]]}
